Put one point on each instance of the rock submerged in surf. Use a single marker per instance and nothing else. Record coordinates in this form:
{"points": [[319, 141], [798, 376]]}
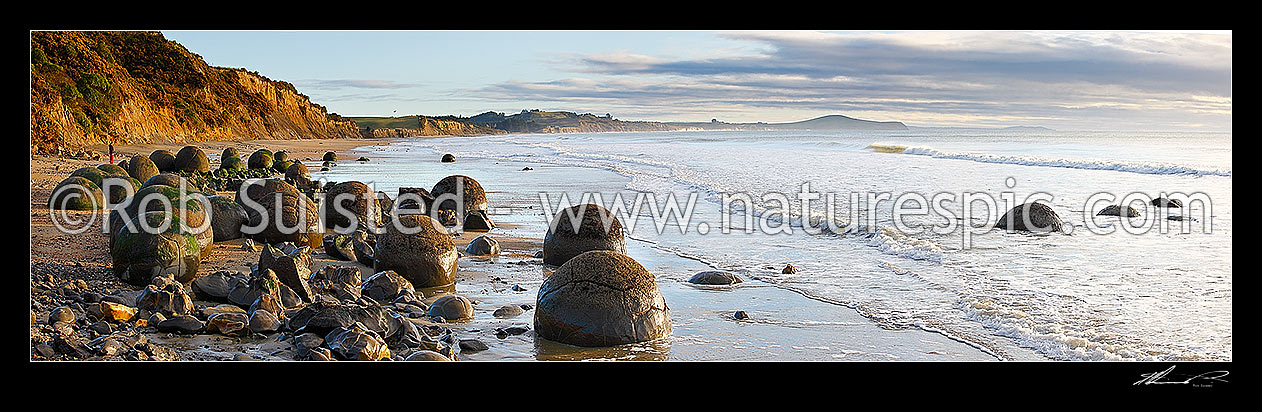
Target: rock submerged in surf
{"points": [[1031, 217], [715, 277], [1115, 210], [1167, 202]]}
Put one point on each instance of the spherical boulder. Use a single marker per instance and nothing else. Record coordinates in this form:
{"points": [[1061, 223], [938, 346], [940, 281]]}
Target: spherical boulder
{"points": [[414, 198], [419, 249], [298, 175], [260, 159], [280, 157], [142, 254], [192, 159], [231, 163], [601, 298], [188, 206], [452, 308], [226, 217], [448, 158], [116, 188], [356, 198], [167, 179], [1115, 210], [142, 168], [91, 173], [563, 242], [1031, 217], [330, 157], [464, 188], [76, 193], [283, 216], [715, 277], [483, 245], [164, 160], [112, 170], [230, 152]]}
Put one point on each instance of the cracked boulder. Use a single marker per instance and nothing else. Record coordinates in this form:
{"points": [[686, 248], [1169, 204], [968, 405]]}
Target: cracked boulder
{"points": [[585, 231], [601, 298]]}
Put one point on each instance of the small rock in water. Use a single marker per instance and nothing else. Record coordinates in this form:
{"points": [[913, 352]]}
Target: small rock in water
{"points": [[362, 159], [509, 311], [527, 168], [448, 158], [472, 345], [740, 314], [483, 245], [789, 269], [518, 288]]}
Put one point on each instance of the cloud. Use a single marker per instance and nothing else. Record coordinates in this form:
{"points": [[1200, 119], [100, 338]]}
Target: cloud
{"points": [[334, 84], [1092, 79]]}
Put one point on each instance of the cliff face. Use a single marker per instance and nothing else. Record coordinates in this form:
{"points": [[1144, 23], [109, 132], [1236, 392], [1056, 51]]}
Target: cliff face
{"points": [[412, 126], [137, 87]]}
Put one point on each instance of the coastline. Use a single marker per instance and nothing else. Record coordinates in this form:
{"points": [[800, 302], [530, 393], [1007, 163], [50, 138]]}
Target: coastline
{"points": [[783, 324]]}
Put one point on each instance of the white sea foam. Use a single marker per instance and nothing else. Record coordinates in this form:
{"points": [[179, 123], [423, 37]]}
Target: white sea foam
{"points": [[1157, 168]]}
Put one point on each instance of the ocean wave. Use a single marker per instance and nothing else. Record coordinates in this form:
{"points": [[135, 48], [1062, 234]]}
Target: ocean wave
{"points": [[1157, 168]]}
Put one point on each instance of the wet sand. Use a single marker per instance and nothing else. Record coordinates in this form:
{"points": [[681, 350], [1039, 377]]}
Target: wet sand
{"points": [[782, 324]]}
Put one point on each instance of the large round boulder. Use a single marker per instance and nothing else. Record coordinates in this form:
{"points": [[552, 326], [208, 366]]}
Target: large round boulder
{"points": [[1031, 217], [91, 173], [298, 175], [118, 188], [226, 217], [452, 308], [230, 152], [166, 179], [284, 216], [260, 159], [356, 198], [465, 189], [142, 168], [76, 193], [187, 205], [330, 157], [601, 298], [231, 163], [192, 159], [418, 248], [164, 160], [563, 242], [414, 198], [141, 254], [113, 170]]}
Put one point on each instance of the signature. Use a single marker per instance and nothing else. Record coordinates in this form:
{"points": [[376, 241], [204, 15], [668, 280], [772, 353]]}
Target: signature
{"points": [[1207, 378]]}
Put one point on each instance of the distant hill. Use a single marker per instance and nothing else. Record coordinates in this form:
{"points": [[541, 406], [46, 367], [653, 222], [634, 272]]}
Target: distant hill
{"points": [[138, 87], [830, 122], [417, 125], [537, 121]]}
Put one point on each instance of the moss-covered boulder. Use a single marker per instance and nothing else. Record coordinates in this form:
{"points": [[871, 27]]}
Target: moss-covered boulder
{"points": [[142, 168], [167, 179], [231, 163], [141, 254], [76, 193], [123, 164], [419, 249], [192, 159], [281, 166], [187, 205], [563, 242], [260, 159], [601, 298], [164, 160], [91, 173], [117, 188], [280, 156], [466, 189], [356, 198], [229, 152], [113, 170], [330, 157]]}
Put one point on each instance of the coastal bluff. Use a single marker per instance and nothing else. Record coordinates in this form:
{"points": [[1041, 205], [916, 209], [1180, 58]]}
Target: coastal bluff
{"points": [[94, 87]]}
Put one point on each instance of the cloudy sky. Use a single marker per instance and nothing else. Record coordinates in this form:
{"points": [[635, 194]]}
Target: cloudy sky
{"points": [[1063, 80]]}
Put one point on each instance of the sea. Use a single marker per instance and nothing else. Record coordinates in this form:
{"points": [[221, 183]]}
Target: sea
{"points": [[898, 225]]}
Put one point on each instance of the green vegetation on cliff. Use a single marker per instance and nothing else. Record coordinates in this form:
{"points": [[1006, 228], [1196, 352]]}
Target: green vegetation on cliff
{"points": [[97, 87]]}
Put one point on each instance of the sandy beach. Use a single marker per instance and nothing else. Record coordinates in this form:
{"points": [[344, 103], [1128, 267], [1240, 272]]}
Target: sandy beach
{"points": [[781, 324]]}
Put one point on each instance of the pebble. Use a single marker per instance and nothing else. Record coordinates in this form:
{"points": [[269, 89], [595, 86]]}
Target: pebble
{"points": [[61, 314]]}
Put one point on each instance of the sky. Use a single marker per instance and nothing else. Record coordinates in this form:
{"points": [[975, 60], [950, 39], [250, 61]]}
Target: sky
{"points": [[1065, 80]]}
